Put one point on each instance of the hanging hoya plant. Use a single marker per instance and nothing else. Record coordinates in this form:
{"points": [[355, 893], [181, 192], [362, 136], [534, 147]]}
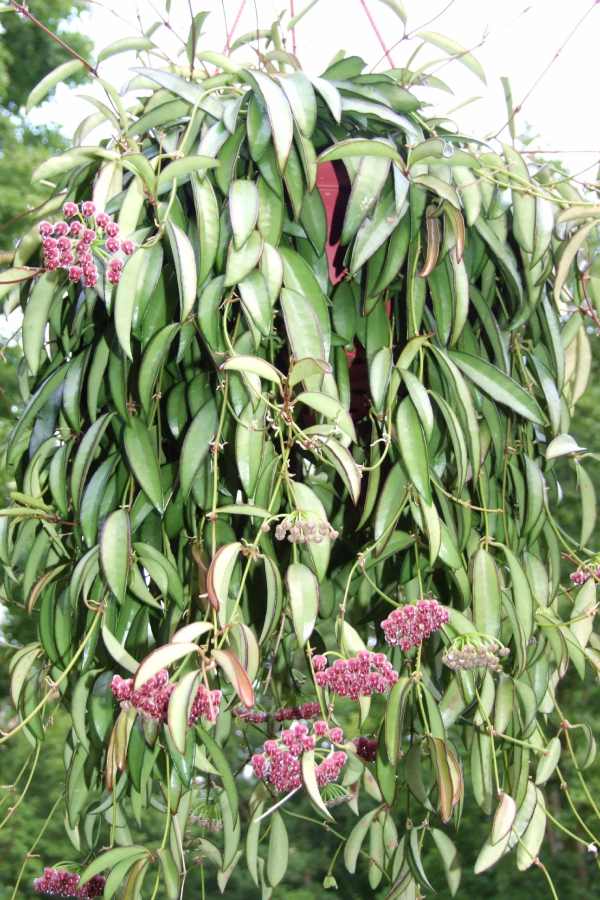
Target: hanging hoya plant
{"points": [[299, 366]]}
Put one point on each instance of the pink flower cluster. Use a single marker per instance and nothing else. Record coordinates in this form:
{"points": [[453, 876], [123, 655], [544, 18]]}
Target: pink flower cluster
{"points": [[60, 883], [286, 713], [152, 698], [279, 763], [70, 245], [364, 674], [366, 748], [582, 575], [409, 625]]}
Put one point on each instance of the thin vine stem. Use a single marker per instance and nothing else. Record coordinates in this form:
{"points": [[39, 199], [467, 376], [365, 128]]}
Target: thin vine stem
{"points": [[23, 794], [29, 853], [7, 735]]}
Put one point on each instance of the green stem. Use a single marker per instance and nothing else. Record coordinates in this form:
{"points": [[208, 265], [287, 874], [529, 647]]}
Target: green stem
{"points": [[10, 788], [484, 714], [255, 544], [573, 808], [29, 853], [336, 834], [215, 455], [334, 858], [541, 866], [564, 829], [156, 885], [378, 590], [5, 737], [578, 771]]}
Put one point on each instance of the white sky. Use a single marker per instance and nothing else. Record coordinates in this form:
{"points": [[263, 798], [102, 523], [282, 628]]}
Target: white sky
{"points": [[522, 39]]}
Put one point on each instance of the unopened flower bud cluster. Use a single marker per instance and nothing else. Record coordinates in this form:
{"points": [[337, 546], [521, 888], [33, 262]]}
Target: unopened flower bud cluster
{"points": [[366, 748], [286, 713], [408, 626], [280, 762], [71, 245], [486, 655], [364, 674], [208, 823], [152, 698], [60, 883], [304, 531]]}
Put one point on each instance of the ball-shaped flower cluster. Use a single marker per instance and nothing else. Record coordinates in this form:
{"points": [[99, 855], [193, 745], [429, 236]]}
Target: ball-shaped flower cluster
{"points": [[60, 883], [408, 626], [580, 576], [478, 655], [364, 674], [152, 698], [71, 245], [280, 762], [304, 531]]}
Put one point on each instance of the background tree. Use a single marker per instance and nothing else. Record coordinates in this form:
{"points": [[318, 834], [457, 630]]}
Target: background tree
{"points": [[27, 54]]}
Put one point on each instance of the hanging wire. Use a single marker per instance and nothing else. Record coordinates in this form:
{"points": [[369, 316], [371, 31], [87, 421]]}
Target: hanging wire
{"points": [[292, 14], [408, 34], [386, 52], [229, 33], [225, 22], [547, 68]]}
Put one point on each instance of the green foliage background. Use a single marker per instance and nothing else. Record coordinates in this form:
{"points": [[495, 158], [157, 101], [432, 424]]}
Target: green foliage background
{"points": [[25, 55]]}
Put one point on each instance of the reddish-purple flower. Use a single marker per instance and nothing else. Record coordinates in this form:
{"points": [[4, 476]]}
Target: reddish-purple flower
{"points": [[127, 247], [75, 229], [88, 208], [70, 209], [331, 767], [60, 228], [75, 274], [584, 574], [112, 245], [152, 698], [60, 883], [112, 229], [102, 220], [89, 235], [364, 674], [279, 764], [408, 626], [45, 229]]}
